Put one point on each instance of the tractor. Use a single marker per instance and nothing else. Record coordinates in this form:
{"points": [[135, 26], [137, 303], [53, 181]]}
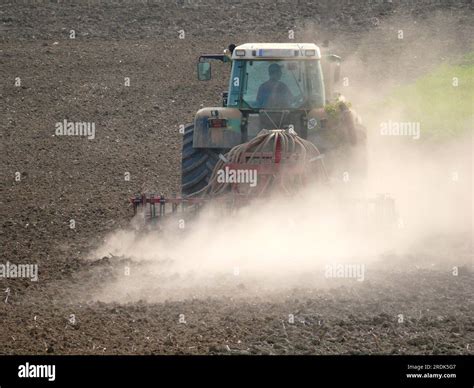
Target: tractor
{"points": [[273, 86], [281, 121]]}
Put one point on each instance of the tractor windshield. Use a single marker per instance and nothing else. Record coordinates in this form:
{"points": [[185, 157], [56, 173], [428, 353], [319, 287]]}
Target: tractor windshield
{"points": [[282, 84]]}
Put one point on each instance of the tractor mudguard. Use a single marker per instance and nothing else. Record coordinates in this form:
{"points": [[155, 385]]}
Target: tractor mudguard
{"points": [[217, 128]]}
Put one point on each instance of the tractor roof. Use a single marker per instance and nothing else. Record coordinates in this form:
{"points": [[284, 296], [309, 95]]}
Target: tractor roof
{"points": [[276, 51]]}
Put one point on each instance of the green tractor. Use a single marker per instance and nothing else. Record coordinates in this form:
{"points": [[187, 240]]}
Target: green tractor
{"points": [[274, 86]]}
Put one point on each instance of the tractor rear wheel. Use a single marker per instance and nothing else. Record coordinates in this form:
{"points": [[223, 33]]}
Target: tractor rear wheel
{"points": [[197, 164]]}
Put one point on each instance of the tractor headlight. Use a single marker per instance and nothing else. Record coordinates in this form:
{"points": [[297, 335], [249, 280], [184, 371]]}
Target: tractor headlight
{"points": [[312, 123]]}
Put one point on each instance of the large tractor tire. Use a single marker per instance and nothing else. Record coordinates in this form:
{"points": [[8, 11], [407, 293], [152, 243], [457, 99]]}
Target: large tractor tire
{"points": [[197, 164]]}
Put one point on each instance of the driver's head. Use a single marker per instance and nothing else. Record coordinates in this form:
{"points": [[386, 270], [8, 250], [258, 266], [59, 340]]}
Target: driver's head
{"points": [[274, 71]]}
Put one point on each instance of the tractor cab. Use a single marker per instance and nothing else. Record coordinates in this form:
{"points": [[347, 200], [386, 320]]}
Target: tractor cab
{"points": [[276, 77]]}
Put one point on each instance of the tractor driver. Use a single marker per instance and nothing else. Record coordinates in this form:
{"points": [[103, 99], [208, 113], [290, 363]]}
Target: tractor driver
{"points": [[274, 93]]}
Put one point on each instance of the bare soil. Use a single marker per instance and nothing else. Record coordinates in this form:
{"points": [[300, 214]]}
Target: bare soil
{"points": [[66, 178]]}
